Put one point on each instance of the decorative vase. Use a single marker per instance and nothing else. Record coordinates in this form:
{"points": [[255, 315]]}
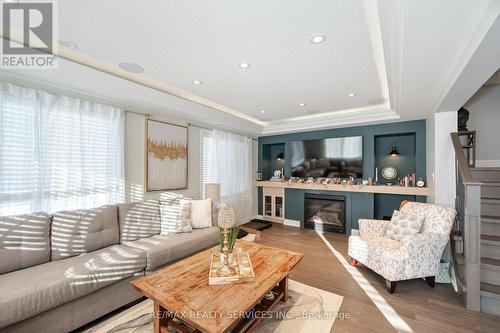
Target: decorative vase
{"points": [[226, 222]]}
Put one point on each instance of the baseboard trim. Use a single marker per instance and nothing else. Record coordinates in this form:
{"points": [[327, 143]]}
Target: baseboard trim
{"points": [[292, 223], [487, 163]]}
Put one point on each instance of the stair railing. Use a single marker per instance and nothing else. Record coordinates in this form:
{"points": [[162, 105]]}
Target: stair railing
{"points": [[468, 206]]}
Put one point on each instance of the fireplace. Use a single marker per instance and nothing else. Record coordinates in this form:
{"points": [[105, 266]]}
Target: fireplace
{"points": [[324, 212]]}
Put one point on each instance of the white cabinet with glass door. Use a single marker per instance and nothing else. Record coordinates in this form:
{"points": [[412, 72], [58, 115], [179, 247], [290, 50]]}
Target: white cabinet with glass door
{"points": [[273, 208]]}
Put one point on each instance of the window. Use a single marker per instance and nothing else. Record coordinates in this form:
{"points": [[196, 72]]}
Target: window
{"points": [[227, 160], [57, 152]]}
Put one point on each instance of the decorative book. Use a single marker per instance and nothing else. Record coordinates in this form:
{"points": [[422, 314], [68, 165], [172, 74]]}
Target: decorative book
{"points": [[241, 265]]}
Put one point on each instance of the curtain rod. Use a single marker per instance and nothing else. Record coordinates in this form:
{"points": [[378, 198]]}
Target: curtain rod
{"points": [[144, 114], [148, 115]]}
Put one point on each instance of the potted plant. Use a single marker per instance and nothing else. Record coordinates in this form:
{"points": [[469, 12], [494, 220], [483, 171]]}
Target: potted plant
{"points": [[231, 237]]}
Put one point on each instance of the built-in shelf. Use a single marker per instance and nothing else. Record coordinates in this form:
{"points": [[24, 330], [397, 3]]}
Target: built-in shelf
{"points": [[384, 189]]}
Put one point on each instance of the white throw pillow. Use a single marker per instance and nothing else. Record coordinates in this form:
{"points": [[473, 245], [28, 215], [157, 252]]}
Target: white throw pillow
{"points": [[176, 217], [201, 213], [403, 224]]}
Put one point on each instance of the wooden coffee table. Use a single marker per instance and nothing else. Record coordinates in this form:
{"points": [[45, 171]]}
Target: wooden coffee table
{"points": [[184, 300]]}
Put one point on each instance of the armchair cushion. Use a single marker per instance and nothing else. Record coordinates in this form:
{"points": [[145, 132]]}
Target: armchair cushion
{"points": [[403, 224], [380, 254], [372, 227]]}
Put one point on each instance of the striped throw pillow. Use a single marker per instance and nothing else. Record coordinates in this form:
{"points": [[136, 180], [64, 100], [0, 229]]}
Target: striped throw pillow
{"points": [[176, 217], [201, 213]]}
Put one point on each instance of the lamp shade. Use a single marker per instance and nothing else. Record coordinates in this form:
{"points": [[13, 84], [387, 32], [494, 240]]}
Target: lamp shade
{"points": [[394, 150], [212, 191]]}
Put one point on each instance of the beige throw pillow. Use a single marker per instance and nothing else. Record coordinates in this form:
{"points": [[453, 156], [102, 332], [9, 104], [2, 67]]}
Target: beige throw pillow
{"points": [[403, 224], [201, 213], [176, 217]]}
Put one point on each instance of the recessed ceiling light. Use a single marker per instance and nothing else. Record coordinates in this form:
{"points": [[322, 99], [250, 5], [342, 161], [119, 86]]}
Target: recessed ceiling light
{"points": [[262, 111], [131, 67], [197, 82], [351, 94], [318, 39], [68, 43], [244, 65], [302, 104]]}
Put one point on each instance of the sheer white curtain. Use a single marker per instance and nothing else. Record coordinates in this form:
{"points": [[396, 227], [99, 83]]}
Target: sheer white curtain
{"points": [[58, 152], [227, 160]]}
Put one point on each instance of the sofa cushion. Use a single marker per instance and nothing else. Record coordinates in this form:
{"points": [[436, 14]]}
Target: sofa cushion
{"points": [[24, 241], [80, 231], [139, 219], [162, 249], [33, 290]]}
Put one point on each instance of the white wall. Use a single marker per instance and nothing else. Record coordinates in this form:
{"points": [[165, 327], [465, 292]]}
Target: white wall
{"points": [[255, 154], [135, 158], [431, 156], [484, 108], [441, 170]]}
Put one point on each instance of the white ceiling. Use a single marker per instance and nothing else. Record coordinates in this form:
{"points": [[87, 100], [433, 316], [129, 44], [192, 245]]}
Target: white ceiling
{"points": [[400, 58]]}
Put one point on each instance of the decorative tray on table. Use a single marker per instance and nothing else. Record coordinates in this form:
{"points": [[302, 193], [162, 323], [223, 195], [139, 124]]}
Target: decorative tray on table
{"points": [[242, 266]]}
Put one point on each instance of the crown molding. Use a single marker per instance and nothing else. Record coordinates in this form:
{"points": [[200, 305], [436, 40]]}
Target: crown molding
{"points": [[111, 69], [393, 39], [343, 118], [385, 63]]}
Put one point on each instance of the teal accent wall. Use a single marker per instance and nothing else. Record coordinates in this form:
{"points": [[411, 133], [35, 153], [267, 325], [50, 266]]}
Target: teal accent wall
{"points": [[269, 161], [405, 162], [357, 205], [410, 139], [277, 164], [416, 127]]}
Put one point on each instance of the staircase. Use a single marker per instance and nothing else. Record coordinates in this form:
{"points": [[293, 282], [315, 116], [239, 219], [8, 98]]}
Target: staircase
{"points": [[490, 238]]}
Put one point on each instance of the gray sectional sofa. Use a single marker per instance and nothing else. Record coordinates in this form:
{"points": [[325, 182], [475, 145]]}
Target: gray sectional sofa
{"points": [[61, 271]]}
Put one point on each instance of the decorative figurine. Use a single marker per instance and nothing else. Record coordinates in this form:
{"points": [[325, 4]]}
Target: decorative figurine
{"points": [[420, 182], [463, 117]]}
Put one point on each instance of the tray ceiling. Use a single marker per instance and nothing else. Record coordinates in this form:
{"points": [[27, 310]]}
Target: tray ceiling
{"points": [[379, 61]]}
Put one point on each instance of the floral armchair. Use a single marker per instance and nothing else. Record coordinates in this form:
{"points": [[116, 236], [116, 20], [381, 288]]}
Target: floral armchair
{"points": [[414, 256]]}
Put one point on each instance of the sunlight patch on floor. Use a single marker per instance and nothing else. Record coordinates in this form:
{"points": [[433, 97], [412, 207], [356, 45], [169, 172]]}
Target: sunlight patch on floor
{"points": [[389, 313]]}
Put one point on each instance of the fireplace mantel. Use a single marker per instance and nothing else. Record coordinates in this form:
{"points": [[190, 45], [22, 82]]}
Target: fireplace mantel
{"points": [[383, 189]]}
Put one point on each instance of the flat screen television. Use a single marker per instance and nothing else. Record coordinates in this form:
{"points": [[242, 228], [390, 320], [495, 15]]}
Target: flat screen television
{"points": [[335, 157]]}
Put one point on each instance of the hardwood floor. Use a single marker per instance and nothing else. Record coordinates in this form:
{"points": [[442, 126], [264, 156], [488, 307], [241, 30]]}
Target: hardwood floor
{"points": [[415, 307]]}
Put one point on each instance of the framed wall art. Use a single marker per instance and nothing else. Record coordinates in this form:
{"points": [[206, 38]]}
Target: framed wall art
{"points": [[166, 156]]}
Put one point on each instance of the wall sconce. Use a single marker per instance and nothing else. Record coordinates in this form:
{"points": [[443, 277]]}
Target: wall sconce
{"points": [[280, 156], [394, 151]]}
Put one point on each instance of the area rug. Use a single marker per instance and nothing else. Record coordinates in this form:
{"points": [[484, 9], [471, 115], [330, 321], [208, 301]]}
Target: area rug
{"points": [[308, 309]]}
